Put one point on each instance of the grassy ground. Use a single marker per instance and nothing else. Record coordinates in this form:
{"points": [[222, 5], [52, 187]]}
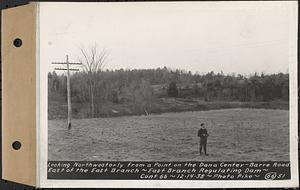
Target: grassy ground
{"points": [[58, 109], [235, 134]]}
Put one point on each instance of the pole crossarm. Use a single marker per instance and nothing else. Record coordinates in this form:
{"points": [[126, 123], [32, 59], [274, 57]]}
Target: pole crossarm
{"points": [[62, 69], [64, 63]]}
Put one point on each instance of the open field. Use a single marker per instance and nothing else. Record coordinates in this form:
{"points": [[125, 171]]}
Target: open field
{"points": [[235, 134], [58, 109]]}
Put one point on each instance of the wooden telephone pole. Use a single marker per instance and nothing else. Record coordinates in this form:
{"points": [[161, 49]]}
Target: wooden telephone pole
{"points": [[68, 69]]}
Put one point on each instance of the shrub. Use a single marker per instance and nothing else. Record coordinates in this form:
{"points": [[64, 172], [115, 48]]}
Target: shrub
{"points": [[172, 90]]}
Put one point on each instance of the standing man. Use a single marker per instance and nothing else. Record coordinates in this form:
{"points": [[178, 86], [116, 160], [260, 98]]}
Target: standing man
{"points": [[202, 133]]}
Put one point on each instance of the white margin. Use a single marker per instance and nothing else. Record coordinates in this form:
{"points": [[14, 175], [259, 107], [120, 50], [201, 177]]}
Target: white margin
{"points": [[293, 182]]}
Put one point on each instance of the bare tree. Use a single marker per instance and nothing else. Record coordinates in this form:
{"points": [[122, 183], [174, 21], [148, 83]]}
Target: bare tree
{"points": [[93, 61]]}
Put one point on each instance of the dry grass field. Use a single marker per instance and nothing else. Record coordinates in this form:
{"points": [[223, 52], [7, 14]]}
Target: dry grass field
{"points": [[235, 134]]}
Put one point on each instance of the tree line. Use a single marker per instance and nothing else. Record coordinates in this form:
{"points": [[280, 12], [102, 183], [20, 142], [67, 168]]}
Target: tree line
{"points": [[139, 89]]}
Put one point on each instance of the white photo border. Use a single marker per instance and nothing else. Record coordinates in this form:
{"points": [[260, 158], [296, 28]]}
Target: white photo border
{"points": [[42, 128]]}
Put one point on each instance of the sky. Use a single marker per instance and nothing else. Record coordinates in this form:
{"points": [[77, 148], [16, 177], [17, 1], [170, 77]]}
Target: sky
{"points": [[233, 37]]}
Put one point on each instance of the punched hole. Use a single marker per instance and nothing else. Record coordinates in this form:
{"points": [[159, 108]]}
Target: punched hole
{"points": [[16, 145], [18, 42]]}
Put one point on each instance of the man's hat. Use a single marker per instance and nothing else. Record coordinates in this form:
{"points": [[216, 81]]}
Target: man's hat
{"points": [[202, 124]]}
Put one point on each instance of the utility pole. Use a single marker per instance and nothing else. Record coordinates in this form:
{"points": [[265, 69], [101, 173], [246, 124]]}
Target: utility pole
{"points": [[68, 69]]}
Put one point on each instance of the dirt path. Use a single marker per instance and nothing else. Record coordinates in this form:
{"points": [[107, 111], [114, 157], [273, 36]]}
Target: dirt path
{"points": [[235, 134]]}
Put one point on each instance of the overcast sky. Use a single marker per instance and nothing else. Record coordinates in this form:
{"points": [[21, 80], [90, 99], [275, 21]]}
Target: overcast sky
{"points": [[240, 37]]}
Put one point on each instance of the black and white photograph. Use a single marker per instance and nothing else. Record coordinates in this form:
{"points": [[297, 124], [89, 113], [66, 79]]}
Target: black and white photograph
{"points": [[172, 84], [169, 82], [150, 94]]}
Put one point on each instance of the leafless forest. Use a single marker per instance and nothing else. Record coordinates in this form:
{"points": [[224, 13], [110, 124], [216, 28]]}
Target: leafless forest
{"points": [[97, 92]]}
